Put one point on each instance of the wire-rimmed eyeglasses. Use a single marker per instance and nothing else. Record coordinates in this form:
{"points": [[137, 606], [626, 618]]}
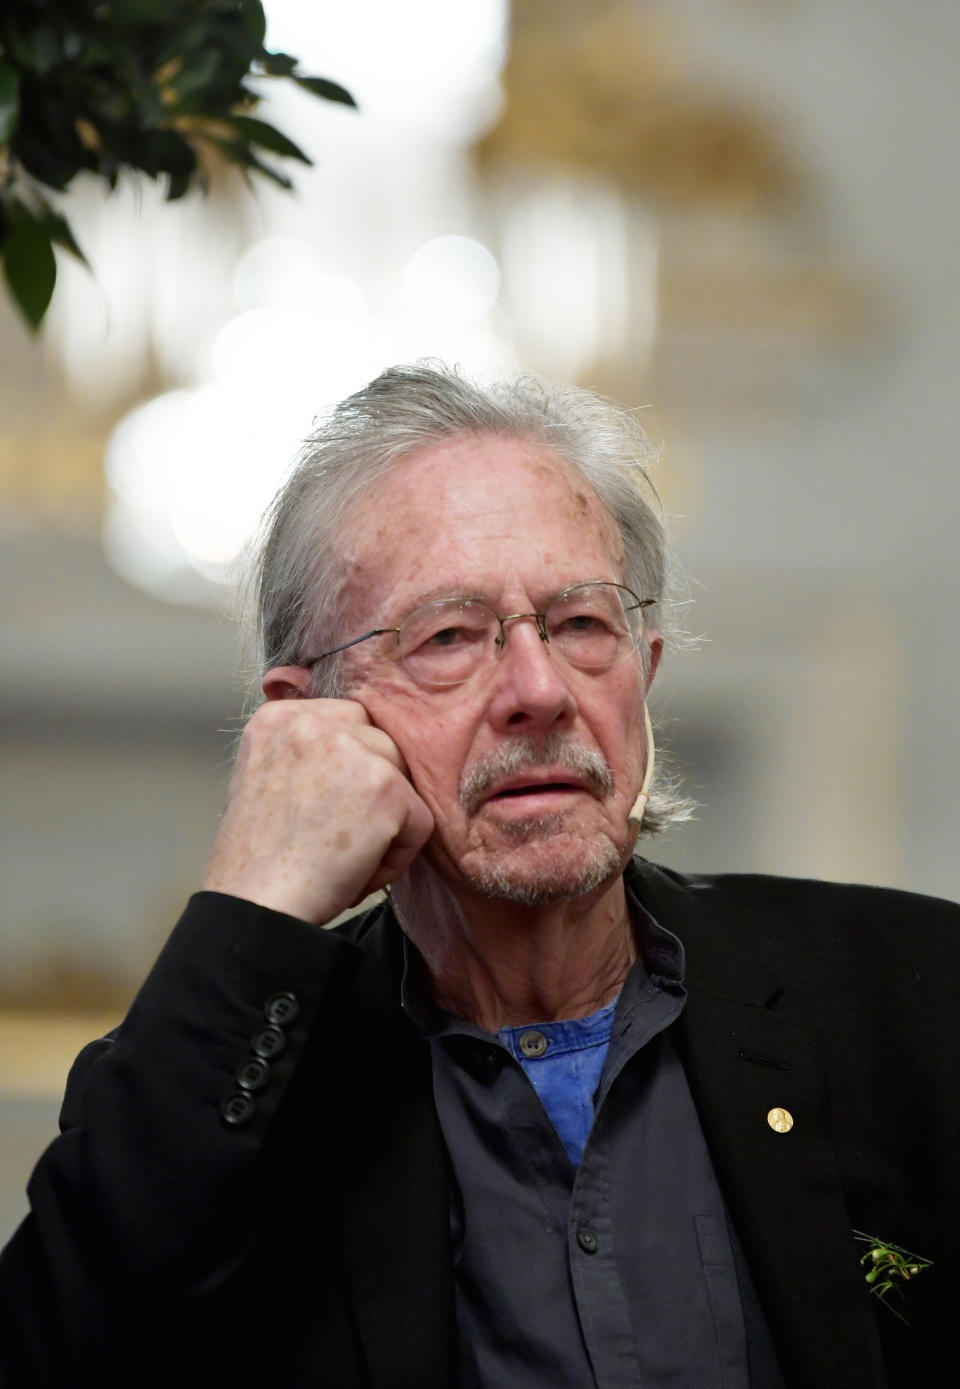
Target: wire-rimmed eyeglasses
{"points": [[592, 626]]}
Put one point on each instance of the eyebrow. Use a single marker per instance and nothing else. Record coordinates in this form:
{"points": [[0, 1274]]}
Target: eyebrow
{"points": [[441, 594], [466, 595]]}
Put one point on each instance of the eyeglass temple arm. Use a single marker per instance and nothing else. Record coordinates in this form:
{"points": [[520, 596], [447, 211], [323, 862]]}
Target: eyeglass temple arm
{"points": [[377, 632]]}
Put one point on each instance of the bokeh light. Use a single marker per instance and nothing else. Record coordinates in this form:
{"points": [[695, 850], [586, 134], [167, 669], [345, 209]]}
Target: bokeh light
{"points": [[451, 280]]}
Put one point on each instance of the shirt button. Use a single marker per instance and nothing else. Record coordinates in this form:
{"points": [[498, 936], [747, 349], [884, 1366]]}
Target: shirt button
{"points": [[587, 1240], [533, 1043], [268, 1043], [282, 1008]]}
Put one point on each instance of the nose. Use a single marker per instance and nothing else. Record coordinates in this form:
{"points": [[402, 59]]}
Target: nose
{"points": [[530, 691]]}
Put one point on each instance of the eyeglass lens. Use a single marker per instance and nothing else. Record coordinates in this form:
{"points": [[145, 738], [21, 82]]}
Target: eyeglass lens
{"points": [[443, 643]]}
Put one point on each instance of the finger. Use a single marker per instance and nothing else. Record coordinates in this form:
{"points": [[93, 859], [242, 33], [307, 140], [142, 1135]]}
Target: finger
{"points": [[349, 710], [381, 743], [417, 827]]}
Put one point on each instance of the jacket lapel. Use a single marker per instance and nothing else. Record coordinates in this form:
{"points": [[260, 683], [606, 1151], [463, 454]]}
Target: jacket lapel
{"points": [[745, 1058], [394, 1218]]}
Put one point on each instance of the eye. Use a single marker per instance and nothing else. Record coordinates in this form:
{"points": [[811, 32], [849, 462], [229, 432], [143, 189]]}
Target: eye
{"points": [[451, 637], [444, 629], [443, 643], [583, 622]]}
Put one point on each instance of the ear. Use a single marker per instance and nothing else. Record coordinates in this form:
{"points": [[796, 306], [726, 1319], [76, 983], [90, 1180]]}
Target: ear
{"points": [[655, 642], [287, 682]]}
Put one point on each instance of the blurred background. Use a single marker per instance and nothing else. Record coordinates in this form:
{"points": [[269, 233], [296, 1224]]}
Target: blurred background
{"points": [[739, 215]]}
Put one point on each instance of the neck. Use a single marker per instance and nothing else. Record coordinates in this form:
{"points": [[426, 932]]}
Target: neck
{"points": [[498, 963]]}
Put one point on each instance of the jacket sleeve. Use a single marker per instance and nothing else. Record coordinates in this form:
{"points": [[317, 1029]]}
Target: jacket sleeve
{"points": [[147, 1201]]}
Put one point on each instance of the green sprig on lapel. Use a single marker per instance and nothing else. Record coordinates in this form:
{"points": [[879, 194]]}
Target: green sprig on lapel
{"points": [[888, 1267]]}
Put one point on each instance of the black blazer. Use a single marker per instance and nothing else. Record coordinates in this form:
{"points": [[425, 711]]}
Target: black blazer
{"points": [[308, 1244]]}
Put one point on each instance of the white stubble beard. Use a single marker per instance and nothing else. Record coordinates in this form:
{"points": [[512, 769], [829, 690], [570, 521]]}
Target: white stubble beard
{"points": [[534, 884]]}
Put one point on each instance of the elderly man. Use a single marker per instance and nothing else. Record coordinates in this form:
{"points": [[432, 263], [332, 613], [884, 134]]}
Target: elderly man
{"points": [[550, 1116]]}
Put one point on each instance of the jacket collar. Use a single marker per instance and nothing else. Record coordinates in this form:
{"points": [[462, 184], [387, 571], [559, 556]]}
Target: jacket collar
{"points": [[715, 964]]}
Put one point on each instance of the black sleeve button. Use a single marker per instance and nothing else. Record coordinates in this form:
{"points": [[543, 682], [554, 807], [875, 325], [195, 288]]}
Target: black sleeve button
{"points": [[237, 1109], [282, 1008], [253, 1074], [268, 1043]]}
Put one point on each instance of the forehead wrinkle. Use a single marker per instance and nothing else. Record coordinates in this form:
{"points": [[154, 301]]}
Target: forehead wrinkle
{"points": [[365, 602], [426, 502]]}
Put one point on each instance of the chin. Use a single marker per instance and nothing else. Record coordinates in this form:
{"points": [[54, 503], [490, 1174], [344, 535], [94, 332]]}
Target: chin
{"points": [[540, 869]]}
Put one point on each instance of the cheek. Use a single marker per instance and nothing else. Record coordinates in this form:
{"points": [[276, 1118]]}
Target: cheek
{"points": [[434, 762], [623, 740]]}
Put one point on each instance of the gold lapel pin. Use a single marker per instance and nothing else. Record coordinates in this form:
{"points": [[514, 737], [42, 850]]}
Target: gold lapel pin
{"points": [[780, 1120]]}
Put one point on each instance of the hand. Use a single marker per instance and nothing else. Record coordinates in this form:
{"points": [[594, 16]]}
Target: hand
{"points": [[320, 811]]}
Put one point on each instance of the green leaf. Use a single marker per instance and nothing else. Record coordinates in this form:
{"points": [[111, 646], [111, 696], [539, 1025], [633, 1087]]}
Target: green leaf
{"points": [[49, 151], [277, 64], [322, 86], [59, 231], [274, 175], [239, 153], [148, 108], [260, 133], [196, 75], [37, 49], [95, 53], [254, 21], [152, 151], [140, 12], [9, 101], [226, 36], [30, 269], [167, 152], [178, 185], [247, 100]]}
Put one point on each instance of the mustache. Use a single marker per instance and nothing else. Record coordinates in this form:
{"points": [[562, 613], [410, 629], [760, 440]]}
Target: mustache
{"points": [[523, 753]]}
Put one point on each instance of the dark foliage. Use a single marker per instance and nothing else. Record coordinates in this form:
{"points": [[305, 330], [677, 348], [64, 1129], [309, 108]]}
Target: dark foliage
{"points": [[153, 86]]}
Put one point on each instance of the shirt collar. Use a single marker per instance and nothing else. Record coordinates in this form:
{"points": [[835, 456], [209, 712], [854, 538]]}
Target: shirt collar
{"points": [[660, 965]]}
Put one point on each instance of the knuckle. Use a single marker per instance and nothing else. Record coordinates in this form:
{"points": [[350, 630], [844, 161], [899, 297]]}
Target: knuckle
{"points": [[342, 710], [265, 719]]}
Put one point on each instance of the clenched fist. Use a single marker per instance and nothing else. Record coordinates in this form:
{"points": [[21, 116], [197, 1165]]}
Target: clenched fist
{"points": [[320, 811]]}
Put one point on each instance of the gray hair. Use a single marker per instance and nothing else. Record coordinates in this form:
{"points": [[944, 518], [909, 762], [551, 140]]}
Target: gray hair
{"points": [[299, 576]]}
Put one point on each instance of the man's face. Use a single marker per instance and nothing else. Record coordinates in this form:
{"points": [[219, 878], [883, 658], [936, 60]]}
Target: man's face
{"points": [[529, 767]]}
